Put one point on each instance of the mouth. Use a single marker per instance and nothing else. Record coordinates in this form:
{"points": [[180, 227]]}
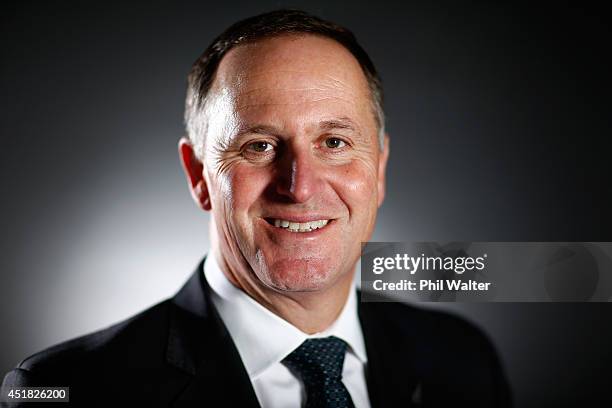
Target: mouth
{"points": [[298, 227]]}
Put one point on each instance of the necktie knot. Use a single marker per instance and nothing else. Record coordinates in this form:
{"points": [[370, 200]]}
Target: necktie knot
{"points": [[318, 358]]}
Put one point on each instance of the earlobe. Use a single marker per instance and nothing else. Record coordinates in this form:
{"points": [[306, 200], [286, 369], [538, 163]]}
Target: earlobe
{"points": [[382, 170], [194, 171], [200, 194]]}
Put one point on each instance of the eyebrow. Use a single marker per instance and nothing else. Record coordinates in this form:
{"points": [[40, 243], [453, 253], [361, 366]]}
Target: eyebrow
{"points": [[259, 129], [331, 124], [338, 123]]}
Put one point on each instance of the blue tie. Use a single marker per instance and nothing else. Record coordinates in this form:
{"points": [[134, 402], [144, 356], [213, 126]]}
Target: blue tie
{"points": [[318, 362]]}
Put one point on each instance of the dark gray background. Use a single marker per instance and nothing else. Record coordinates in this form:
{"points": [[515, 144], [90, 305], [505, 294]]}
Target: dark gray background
{"points": [[497, 115]]}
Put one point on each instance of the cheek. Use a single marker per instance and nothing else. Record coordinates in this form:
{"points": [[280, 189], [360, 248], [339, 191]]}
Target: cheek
{"points": [[240, 191], [356, 185], [247, 184]]}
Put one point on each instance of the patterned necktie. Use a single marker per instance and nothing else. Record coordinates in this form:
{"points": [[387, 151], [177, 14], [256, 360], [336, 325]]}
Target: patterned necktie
{"points": [[318, 362]]}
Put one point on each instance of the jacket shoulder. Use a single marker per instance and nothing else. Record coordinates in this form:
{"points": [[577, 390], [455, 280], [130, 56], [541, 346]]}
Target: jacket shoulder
{"points": [[440, 347], [430, 325], [131, 342]]}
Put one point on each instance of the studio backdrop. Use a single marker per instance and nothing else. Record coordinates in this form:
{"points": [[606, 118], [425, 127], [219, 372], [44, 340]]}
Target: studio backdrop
{"points": [[496, 113]]}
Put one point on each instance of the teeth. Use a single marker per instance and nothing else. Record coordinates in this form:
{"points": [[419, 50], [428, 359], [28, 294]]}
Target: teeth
{"points": [[300, 226]]}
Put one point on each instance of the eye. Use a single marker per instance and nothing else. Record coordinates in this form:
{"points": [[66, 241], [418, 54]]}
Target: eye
{"points": [[260, 147], [334, 143]]}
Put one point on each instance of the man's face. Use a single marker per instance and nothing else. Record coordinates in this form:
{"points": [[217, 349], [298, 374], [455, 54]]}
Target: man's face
{"points": [[292, 162]]}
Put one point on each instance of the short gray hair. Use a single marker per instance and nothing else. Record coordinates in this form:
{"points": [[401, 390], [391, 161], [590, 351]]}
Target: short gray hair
{"points": [[259, 27]]}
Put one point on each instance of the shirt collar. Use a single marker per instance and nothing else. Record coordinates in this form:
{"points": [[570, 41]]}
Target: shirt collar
{"points": [[263, 338]]}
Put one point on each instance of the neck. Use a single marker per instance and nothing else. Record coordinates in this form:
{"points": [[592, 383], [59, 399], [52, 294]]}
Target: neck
{"points": [[310, 311]]}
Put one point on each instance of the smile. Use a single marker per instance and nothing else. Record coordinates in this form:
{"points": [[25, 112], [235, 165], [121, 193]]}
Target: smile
{"points": [[298, 226]]}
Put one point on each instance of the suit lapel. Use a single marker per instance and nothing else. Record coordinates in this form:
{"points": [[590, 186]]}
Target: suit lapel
{"points": [[390, 361], [200, 346]]}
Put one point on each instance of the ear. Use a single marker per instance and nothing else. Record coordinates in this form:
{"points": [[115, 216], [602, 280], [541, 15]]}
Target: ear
{"points": [[382, 169], [194, 170]]}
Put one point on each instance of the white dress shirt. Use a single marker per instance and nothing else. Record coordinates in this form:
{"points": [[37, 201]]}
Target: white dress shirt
{"points": [[264, 339]]}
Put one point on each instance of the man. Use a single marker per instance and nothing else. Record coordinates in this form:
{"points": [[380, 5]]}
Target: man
{"points": [[286, 148]]}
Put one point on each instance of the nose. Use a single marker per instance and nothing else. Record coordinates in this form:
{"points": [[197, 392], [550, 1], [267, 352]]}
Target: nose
{"points": [[299, 176]]}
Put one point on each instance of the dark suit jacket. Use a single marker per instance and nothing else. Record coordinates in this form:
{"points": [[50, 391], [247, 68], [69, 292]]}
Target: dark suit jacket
{"points": [[179, 353]]}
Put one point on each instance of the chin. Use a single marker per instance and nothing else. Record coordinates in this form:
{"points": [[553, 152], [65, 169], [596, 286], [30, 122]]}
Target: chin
{"points": [[300, 275]]}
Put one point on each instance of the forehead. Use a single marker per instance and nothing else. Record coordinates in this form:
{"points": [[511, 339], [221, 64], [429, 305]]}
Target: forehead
{"points": [[307, 54], [312, 74]]}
